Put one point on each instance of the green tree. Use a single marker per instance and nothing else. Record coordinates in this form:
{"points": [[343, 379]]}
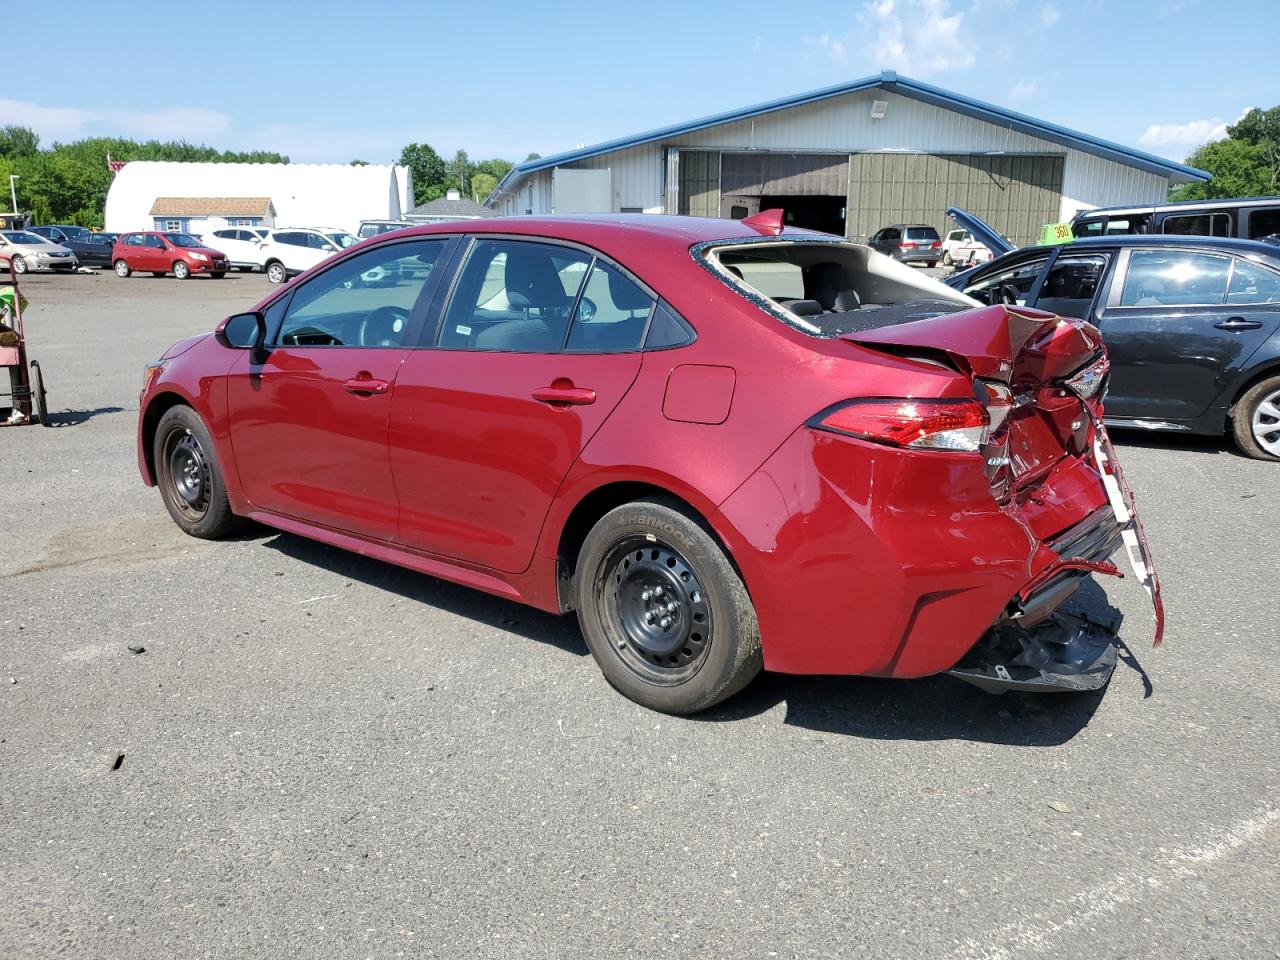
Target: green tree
{"points": [[495, 168], [428, 169], [1245, 164], [359, 163], [18, 142], [533, 156], [460, 171], [482, 184]]}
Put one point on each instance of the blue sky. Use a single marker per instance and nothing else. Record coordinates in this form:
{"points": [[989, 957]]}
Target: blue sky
{"points": [[330, 82]]}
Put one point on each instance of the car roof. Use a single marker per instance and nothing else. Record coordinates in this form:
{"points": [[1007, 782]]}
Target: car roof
{"points": [[1225, 244], [1179, 205]]}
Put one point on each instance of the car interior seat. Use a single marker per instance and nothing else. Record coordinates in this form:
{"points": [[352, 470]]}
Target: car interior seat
{"points": [[532, 284], [829, 284]]}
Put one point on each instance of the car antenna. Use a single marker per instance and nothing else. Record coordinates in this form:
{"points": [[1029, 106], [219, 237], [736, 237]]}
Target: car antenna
{"points": [[767, 222]]}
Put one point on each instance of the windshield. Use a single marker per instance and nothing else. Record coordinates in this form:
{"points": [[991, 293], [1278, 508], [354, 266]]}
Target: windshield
{"points": [[183, 240], [343, 240], [21, 236]]}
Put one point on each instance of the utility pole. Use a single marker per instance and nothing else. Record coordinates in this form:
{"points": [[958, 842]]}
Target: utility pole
{"points": [[13, 194]]}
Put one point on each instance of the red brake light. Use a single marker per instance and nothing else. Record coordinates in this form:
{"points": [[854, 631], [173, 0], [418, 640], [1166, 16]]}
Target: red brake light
{"points": [[921, 424]]}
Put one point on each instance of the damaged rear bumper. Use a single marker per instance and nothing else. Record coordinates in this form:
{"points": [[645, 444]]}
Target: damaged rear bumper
{"points": [[1062, 653]]}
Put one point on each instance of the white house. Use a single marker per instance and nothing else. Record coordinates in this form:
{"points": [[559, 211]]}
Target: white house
{"points": [[851, 159], [151, 195]]}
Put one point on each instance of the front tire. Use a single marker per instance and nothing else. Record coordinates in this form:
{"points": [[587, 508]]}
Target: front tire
{"points": [[947, 259], [181, 270], [19, 265], [276, 272], [1256, 422], [189, 476], [123, 269], [218, 274], [663, 610]]}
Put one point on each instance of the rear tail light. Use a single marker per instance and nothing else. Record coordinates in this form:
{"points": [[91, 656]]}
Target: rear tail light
{"points": [[916, 424], [1089, 381]]}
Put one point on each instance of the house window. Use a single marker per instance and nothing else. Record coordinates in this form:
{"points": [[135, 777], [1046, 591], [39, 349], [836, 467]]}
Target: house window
{"points": [[243, 221], [173, 225]]}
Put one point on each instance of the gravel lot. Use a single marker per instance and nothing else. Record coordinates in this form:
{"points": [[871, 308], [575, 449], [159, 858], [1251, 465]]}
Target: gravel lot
{"points": [[327, 757]]}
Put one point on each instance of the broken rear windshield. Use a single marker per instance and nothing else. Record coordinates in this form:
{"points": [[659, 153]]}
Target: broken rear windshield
{"points": [[827, 288]]}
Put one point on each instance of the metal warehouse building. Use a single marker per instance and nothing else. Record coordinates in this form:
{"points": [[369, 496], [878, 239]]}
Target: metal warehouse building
{"points": [[851, 159]]}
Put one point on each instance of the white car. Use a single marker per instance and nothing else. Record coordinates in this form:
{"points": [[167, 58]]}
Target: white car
{"points": [[288, 251], [242, 245], [959, 247]]}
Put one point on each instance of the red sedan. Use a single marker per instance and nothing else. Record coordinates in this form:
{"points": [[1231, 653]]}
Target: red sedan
{"points": [[724, 445], [161, 253]]}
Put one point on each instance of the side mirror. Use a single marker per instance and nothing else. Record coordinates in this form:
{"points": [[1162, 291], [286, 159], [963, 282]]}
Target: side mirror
{"points": [[328, 248], [245, 331]]}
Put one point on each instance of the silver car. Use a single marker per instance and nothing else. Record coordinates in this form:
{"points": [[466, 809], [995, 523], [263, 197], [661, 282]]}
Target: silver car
{"points": [[30, 251]]}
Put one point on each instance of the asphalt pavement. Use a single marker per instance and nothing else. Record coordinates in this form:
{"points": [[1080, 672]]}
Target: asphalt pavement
{"points": [[316, 755]]}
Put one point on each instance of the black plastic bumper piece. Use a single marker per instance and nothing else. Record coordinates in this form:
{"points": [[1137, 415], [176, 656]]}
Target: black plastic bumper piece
{"points": [[1064, 653]]}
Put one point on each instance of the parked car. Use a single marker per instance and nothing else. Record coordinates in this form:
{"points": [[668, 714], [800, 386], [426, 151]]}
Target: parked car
{"points": [[373, 228], [1192, 325], [60, 232], [909, 242], [30, 251], [93, 249], [162, 253], [242, 245], [959, 247], [288, 252], [523, 413], [1247, 218]]}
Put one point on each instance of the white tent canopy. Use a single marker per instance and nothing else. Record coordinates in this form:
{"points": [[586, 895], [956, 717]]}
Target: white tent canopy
{"points": [[303, 194]]}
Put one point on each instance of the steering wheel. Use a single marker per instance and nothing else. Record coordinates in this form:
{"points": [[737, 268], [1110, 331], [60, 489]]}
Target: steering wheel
{"points": [[1008, 294], [384, 327]]}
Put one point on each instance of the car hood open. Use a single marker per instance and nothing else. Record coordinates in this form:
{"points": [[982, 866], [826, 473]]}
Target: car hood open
{"points": [[982, 231]]}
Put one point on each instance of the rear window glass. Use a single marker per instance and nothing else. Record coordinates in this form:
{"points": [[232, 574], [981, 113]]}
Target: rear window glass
{"points": [[826, 289], [1263, 223], [1251, 283], [922, 233]]}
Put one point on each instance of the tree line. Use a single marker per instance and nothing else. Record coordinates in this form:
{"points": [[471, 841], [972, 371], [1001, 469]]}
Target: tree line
{"points": [[1244, 164], [68, 182]]}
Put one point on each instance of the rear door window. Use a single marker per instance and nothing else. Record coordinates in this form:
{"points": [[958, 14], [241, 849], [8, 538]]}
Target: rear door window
{"points": [[1174, 278], [1264, 223], [1251, 283], [1207, 224], [612, 314]]}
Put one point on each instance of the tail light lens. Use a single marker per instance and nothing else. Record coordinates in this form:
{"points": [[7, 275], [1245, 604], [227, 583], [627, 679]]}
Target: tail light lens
{"points": [[1088, 382], [915, 424]]}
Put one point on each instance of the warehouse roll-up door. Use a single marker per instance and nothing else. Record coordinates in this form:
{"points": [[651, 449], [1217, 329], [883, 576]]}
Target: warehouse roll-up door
{"points": [[1016, 194]]}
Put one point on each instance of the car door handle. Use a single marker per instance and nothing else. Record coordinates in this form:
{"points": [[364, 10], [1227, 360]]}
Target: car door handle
{"points": [[1238, 323], [567, 395], [365, 384]]}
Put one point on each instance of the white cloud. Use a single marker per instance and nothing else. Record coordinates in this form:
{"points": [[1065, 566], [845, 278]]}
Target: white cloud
{"points": [[1176, 140], [918, 37], [1049, 15], [65, 123], [1022, 91]]}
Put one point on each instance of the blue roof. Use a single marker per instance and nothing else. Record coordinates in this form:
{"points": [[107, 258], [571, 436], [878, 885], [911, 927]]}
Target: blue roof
{"points": [[892, 82]]}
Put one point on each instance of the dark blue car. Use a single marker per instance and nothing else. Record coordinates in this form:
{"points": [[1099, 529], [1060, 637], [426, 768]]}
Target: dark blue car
{"points": [[1192, 324]]}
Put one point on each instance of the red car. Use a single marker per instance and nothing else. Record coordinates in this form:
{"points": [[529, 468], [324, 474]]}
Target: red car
{"points": [[724, 445], [160, 253]]}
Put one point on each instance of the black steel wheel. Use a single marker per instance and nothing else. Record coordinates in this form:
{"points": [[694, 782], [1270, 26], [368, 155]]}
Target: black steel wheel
{"points": [[663, 610], [658, 609], [189, 477]]}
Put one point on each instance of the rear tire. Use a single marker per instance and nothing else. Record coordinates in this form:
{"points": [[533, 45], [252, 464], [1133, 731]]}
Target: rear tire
{"points": [[663, 610], [1256, 421], [276, 272], [218, 274], [189, 476], [947, 259], [123, 269], [931, 264], [180, 270]]}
